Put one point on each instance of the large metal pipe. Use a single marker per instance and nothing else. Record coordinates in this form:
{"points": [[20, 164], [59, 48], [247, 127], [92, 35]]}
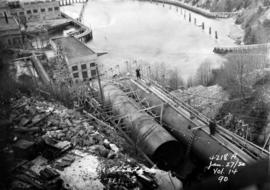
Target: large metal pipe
{"points": [[153, 139], [203, 145]]}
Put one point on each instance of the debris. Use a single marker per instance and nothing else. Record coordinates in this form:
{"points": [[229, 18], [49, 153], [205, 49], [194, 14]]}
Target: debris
{"points": [[54, 134], [48, 174], [99, 150], [114, 148], [61, 165], [55, 148], [127, 176], [24, 149]]}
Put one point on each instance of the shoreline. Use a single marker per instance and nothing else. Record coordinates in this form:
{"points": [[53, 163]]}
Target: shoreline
{"points": [[197, 10]]}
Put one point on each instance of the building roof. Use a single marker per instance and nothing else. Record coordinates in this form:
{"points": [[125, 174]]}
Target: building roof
{"points": [[73, 48]]}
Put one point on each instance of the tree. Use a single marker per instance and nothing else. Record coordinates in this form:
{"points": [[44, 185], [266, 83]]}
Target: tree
{"points": [[240, 71], [175, 80], [228, 6], [204, 74]]}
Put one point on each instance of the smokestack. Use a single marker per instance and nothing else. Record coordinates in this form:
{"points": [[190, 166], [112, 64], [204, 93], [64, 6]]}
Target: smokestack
{"points": [[6, 17]]}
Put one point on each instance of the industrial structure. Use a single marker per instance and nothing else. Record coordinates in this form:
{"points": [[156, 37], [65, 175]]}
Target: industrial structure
{"points": [[32, 10], [164, 129], [135, 104], [79, 58]]}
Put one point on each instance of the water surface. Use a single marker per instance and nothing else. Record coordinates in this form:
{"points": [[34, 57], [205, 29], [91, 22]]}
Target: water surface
{"points": [[150, 33]]}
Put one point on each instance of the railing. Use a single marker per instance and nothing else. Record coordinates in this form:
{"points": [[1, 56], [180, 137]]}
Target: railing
{"points": [[86, 35]]}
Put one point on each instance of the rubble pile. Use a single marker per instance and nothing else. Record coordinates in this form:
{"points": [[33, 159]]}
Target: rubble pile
{"points": [[59, 70], [58, 148], [57, 122], [56, 67], [207, 100]]}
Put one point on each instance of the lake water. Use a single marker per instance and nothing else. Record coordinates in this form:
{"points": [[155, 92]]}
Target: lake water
{"points": [[149, 33]]}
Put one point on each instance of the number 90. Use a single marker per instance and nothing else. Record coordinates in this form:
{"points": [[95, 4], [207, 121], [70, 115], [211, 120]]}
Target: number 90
{"points": [[222, 179]]}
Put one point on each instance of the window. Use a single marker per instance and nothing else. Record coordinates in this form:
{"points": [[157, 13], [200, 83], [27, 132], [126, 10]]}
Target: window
{"points": [[84, 74], [35, 11], [76, 75], [92, 64], [93, 73], [28, 11], [74, 68], [83, 66], [50, 9], [42, 10], [21, 13], [56, 8]]}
